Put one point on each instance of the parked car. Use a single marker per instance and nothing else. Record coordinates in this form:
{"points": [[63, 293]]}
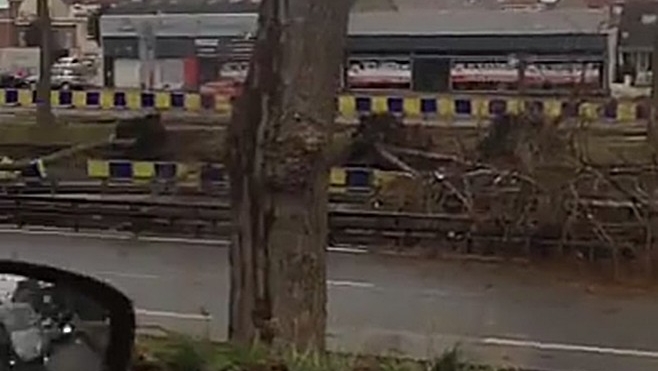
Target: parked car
{"points": [[61, 80], [11, 81], [73, 63]]}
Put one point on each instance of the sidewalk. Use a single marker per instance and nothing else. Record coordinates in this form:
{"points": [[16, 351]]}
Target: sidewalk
{"points": [[209, 118]]}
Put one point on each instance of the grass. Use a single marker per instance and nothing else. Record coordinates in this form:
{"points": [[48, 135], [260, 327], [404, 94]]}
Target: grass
{"points": [[180, 353]]}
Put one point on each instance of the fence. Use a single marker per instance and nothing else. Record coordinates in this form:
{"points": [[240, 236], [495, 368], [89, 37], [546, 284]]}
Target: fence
{"points": [[117, 99], [341, 179], [351, 106]]}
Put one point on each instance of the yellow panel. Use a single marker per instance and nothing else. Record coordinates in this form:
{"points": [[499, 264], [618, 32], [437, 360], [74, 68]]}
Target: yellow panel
{"points": [[222, 104], [379, 104], [626, 111], [133, 100], [3, 96], [446, 107], [347, 105], [79, 99], [181, 170], [98, 169], [107, 99], [411, 107], [589, 111], [553, 108], [480, 107], [25, 98], [382, 178], [54, 99], [192, 102], [338, 177], [162, 100], [513, 106], [143, 170]]}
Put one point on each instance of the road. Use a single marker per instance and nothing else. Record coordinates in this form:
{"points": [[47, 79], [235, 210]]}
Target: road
{"points": [[378, 304]]}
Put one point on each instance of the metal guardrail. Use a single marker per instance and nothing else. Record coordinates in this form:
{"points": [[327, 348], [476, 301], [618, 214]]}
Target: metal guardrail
{"points": [[212, 220], [219, 190]]}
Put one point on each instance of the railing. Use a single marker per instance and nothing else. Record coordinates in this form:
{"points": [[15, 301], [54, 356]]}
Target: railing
{"points": [[212, 220]]}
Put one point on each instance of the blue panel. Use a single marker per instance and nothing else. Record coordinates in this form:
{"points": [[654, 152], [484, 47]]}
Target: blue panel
{"points": [[395, 105], [208, 101], [119, 99], [610, 109], [212, 173], [463, 106], [178, 100], [148, 100], [11, 96], [570, 109], [363, 104], [165, 170], [121, 170], [93, 98], [358, 178], [642, 112], [534, 106], [497, 106], [65, 98], [428, 106]]}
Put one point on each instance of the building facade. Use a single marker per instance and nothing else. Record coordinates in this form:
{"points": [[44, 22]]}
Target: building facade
{"points": [[534, 48]]}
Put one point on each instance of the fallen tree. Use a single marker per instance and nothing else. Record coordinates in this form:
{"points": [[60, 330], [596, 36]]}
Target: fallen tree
{"points": [[528, 188]]}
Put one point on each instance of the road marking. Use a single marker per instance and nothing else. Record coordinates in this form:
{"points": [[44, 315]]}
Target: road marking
{"points": [[130, 275], [175, 315], [154, 277], [350, 284], [571, 347]]}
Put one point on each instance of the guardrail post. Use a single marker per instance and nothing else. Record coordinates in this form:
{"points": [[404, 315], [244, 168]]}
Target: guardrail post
{"points": [[19, 219], [76, 221]]}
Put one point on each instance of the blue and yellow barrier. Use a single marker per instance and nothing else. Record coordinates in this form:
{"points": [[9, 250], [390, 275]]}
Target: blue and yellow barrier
{"points": [[474, 107], [136, 170], [127, 170], [423, 107], [118, 99]]}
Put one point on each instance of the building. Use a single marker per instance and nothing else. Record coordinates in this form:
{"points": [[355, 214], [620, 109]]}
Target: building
{"points": [[636, 38], [393, 44]]}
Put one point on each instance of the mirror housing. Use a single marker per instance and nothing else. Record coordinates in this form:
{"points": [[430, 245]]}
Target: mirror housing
{"points": [[119, 307]]}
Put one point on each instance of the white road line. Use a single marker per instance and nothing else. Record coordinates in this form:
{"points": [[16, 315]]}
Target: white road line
{"points": [[174, 315], [343, 283], [130, 275], [570, 347], [351, 284]]}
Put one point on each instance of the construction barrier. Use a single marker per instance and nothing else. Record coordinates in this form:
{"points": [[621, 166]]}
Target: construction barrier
{"points": [[479, 107], [141, 171], [118, 99], [126, 170], [424, 107]]}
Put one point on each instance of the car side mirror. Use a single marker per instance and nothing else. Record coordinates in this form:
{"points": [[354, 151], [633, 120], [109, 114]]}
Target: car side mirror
{"points": [[62, 320]]}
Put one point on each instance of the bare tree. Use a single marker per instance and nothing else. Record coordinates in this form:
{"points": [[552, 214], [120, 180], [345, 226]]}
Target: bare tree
{"points": [[280, 139], [44, 109]]}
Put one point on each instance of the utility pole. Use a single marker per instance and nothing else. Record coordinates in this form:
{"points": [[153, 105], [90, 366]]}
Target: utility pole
{"points": [[44, 109]]}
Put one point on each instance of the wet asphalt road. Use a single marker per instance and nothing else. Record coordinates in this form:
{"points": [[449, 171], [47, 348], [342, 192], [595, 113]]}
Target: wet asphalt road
{"points": [[380, 304]]}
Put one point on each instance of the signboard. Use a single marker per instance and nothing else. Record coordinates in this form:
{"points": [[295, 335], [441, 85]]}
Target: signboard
{"points": [[207, 47], [479, 75], [379, 74]]}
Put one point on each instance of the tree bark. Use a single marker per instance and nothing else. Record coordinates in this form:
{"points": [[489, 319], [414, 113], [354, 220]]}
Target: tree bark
{"points": [[279, 140], [44, 109]]}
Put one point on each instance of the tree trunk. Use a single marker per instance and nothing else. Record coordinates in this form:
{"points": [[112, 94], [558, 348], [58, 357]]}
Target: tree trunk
{"points": [[279, 139], [44, 109]]}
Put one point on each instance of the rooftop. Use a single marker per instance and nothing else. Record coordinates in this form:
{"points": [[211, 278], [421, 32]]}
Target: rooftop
{"points": [[385, 23], [250, 6]]}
